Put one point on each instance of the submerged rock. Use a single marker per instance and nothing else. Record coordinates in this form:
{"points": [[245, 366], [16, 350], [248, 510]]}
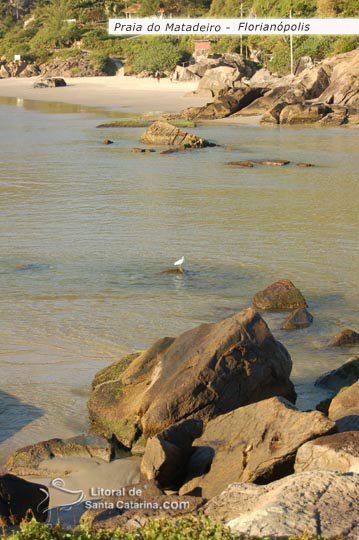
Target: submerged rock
{"points": [[323, 503], [241, 163], [280, 296], [164, 133], [345, 338], [275, 162], [21, 500], [26, 461], [300, 318], [107, 141], [204, 372], [345, 375], [256, 443]]}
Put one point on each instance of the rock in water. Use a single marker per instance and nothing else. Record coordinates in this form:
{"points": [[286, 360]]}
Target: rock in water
{"points": [[323, 503], [26, 461], [280, 296], [256, 443], [204, 372], [300, 318], [338, 452], [345, 375], [20, 499], [163, 133], [346, 338]]}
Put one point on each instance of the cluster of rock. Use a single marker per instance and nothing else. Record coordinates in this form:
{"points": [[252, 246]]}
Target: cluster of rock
{"points": [[211, 414], [326, 93], [74, 66], [17, 69]]}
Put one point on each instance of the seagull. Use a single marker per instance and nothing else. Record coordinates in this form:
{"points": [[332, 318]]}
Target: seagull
{"points": [[179, 264]]}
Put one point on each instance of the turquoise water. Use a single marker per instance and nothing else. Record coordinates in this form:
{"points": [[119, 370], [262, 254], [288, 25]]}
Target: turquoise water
{"points": [[87, 228]]}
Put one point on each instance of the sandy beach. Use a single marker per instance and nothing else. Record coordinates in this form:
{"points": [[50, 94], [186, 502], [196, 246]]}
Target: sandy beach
{"points": [[125, 93]]}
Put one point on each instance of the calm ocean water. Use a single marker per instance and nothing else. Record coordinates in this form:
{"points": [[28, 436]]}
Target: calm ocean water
{"points": [[86, 228]]}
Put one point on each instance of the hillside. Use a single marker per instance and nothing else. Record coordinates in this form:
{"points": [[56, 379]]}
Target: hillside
{"points": [[38, 29]]}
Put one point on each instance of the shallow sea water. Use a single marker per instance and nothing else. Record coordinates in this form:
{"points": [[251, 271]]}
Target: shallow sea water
{"points": [[86, 228]]}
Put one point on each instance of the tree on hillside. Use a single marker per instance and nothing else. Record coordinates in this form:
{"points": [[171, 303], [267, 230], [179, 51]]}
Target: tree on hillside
{"points": [[56, 30]]}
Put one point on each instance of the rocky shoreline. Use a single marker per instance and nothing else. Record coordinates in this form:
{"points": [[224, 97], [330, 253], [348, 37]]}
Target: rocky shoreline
{"points": [[320, 94], [211, 415]]}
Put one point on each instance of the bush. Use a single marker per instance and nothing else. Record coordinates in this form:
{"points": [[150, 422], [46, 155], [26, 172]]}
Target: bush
{"points": [[103, 62], [161, 54]]}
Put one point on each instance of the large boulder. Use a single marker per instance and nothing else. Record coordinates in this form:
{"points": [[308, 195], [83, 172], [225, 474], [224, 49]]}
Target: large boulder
{"points": [[344, 408], [313, 81], [281, 295], [300, 113], [346, 338], [207, 371], [345, 375], [224, 105], [49, 82], [163, 133], [20, 500], [26, 461], [323, 503], [219, 77], [256, 443], [338, 452], [167, 454], [344, 85]]}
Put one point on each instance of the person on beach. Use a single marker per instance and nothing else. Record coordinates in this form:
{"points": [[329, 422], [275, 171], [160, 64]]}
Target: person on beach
{"points": [[158, 75]]}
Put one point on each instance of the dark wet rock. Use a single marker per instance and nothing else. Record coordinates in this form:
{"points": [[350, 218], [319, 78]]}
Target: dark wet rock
{"points": [[204, 372], [26, 461], [174, 271], [312, 503], [256, 443], [241, 163], [135, 513], [130, 123], [338, 452], [302, 164], [300, 318], [107, 141], [163, 133], [274, 162], [32, 267], [345, 338], [280, 296], [344, 408], [167, 454], [49, 82], [20, 499], [143, 150], [345, 375]]}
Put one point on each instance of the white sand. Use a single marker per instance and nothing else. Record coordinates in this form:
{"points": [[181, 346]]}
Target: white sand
{"points": [[124, 93]]}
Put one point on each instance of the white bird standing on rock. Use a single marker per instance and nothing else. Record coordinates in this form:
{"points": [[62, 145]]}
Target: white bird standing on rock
{"points": [[179, 264]]}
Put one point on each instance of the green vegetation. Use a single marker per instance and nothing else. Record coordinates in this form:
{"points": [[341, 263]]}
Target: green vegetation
{"points": [[39, 29], [185, 528]]}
